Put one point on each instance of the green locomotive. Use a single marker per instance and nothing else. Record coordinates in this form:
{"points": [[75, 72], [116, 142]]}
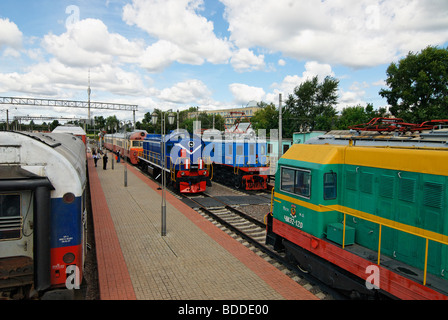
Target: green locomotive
{"points": [[347, 209]]}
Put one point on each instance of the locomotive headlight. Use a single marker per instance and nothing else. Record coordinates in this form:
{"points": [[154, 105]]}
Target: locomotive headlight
{"points": [[205, 172], [68, 258], [182, 173], [68, 197]]}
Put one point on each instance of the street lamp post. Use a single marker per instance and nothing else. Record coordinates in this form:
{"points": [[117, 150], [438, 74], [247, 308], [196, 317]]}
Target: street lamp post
{"points": [[171, 117], [113, 141], [123, 125], [280, 127], [125, 148]]}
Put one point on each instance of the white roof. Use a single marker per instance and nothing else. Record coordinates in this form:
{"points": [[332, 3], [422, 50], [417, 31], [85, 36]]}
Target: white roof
{"points": [[75, 130], [59, 157]]}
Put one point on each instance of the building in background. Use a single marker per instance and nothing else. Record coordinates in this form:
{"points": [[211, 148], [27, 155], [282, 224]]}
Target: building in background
{"points": [[249, 111]]}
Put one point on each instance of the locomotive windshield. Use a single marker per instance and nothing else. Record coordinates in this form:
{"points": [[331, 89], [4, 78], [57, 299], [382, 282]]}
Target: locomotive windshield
{"points": [[137, 144], [296, 181]]}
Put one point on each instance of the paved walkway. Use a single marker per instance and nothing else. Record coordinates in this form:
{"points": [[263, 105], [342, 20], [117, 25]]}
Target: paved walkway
{"points": [[194, 261]]}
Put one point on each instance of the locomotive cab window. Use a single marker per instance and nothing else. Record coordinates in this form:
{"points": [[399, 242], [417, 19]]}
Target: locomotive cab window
{"points": [[330, 186], [296, 181], [287, 180]]}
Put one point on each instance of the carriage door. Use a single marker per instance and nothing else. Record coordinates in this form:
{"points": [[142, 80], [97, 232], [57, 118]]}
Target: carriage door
{"points": [[16, 238]]}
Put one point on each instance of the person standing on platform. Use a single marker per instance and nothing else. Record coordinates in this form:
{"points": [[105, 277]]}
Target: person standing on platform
{"points": [[105, 158], [96, 156]]}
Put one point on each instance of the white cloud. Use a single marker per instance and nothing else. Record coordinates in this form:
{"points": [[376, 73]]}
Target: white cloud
{"points": [[54, 79], [243, 93], [245, 60], [10, 52], [379, 83], [88, 43], [355, 33], [290, 82], [10, 35], [29, 83], [163, 53], [183, 34], [314, 68], [350, 99], [187, 92]]}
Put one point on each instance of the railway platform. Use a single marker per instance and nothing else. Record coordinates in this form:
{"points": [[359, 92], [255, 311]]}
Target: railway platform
{"points": [[194, 261]]}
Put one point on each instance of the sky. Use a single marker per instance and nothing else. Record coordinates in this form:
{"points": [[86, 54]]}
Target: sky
{"points": [[213, 54]]}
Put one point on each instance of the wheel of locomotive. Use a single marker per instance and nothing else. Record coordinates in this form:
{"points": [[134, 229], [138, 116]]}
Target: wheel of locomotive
{"points": [[237, 182]]}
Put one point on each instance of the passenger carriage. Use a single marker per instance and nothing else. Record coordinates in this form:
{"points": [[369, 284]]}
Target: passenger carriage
{"points": [[42, 211]]}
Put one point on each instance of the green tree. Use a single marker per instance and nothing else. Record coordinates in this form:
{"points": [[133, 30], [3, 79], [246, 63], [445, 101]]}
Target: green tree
{"points": [[100, 122], [146, 123], [312, 105], [418, 86], [206, 122], [111, 124], [54, 125], [265, 118], [355, 115]]}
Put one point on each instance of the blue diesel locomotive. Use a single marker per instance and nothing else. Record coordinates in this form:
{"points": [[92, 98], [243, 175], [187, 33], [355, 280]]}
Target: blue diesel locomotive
{"points": [[240, 163], [180, 156]]}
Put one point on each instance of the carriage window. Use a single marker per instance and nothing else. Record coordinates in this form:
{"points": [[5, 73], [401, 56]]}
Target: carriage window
{"points": [[296, 181], [330, 186], [239, 150], [9, 205], [10, 217]]}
